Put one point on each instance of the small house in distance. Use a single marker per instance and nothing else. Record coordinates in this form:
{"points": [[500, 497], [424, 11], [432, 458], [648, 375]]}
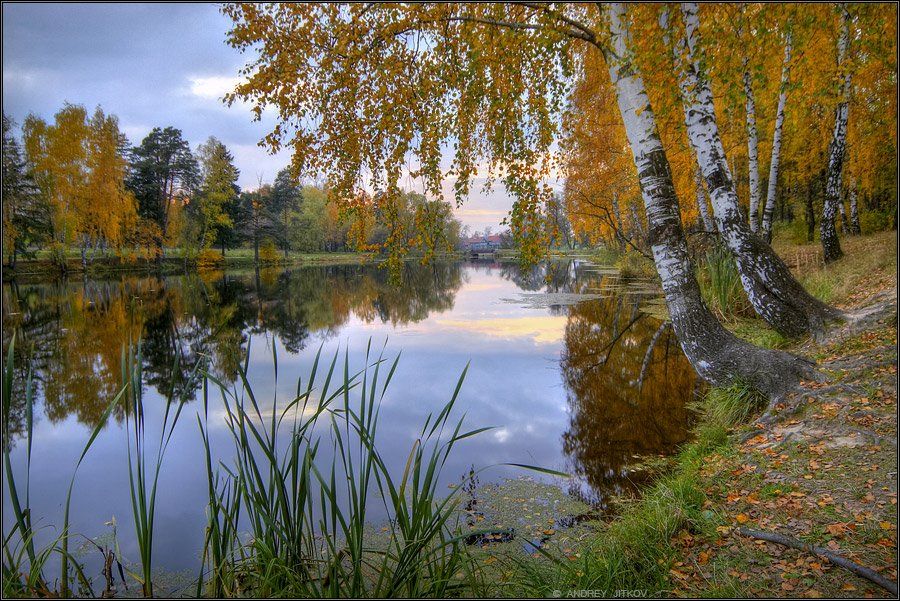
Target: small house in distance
{"points": [[482, 244]]}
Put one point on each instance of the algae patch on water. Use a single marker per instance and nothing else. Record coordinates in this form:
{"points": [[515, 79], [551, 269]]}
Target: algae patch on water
{"points": [[526, 514]]}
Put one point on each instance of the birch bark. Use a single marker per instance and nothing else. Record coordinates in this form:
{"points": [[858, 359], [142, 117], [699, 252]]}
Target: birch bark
{"points": [[854, 210], [716, 354], [752, 149], [775, 162], [708, 223], [831, 246], [774, 293]]}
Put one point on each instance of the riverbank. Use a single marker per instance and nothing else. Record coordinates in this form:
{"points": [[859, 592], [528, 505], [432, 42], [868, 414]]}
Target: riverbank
{"points": [[819, 467], [174, 264]]}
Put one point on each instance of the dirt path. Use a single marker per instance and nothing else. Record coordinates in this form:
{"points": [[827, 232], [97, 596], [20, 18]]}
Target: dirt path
{"points": [[820, 466]]}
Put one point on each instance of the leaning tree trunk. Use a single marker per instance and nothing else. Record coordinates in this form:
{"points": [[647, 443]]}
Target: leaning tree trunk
{"points": [[830, 243], [717, 355], [708, 223], [752, 149], [854, 210], [774, 293], [775, 162]]}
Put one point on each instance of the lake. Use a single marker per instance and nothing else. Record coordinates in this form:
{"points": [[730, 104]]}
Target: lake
{"points": [[564, 363]]}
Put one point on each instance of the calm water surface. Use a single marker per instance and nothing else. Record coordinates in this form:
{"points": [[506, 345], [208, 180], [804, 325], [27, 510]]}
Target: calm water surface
{"points": [[586, 388]]}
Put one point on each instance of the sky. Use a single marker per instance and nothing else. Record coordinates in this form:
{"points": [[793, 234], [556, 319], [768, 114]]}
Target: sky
{"points": [[155, 65]]}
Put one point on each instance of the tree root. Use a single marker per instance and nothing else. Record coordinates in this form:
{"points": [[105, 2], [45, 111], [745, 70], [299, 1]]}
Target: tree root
{"points": [[838, 560]]}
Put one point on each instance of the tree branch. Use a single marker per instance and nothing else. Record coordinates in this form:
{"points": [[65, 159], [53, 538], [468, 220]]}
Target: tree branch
{"points": [[838, 560]]}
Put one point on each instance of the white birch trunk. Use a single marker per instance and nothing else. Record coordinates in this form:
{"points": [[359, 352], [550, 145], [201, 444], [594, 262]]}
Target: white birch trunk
{"points": [[752, 150], [716, 354], [831, 246], [708, 223], [637, 226], [843, 212], [854, 209], [769, 210], [774, 293]]}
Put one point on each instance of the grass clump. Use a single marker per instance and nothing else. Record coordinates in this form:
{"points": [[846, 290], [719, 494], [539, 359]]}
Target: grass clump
{"points": [[720, 285], [632, 264]]}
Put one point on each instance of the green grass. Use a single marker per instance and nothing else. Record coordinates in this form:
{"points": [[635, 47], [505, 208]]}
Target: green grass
{"points": [[144, 470], [636, 551], [822, 284], [720, 285], [757, 332]]}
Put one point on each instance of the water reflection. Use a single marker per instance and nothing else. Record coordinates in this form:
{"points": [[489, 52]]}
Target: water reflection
{"points": [[568, 387], [626, 383], [71, 334]]}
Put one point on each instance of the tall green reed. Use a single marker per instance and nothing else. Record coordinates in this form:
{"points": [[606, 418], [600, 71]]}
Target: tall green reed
{"points": [[144, 471], [19, 551], [307, 515]]}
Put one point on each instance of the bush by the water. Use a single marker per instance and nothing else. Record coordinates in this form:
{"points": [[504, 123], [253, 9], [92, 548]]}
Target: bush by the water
{"points": [[268, 253], [210, 259]]}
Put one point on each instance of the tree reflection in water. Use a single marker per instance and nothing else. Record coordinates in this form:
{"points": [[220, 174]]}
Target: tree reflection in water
{"points": [[71, 334], [616, 415]]}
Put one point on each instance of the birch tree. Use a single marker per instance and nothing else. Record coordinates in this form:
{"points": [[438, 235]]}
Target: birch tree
{"points": [[361, 88], [752, 137], [853, 192], [774, 293], [709, 223], [775, 161], [831, 246], [711, 349]]}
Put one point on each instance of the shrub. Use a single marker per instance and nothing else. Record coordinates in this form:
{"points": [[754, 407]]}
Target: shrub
{"points": [[606, 255], [268, 253], [874, 221], [58, 256], [209, 259]]}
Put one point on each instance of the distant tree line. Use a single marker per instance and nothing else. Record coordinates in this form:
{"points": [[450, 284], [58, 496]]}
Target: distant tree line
{"points": [[76, 181]]}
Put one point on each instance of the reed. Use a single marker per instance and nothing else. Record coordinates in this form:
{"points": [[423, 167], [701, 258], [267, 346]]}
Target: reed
{"points": [[307, 515], [144, 470], [720, 284], [23, 564]]}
